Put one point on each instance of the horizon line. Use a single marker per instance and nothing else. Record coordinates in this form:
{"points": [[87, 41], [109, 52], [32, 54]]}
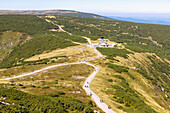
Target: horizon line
{"points": [[108, 12]]}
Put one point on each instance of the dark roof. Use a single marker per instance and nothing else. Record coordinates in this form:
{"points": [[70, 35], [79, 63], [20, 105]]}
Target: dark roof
{"points": [[101, 37]]}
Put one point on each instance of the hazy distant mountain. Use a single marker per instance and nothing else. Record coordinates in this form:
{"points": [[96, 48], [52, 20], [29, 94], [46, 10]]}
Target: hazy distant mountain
{"points": [[53, 12], [149, 20]]}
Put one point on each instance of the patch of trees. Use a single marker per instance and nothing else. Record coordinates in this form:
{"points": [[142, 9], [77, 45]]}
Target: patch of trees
{"points": [[28, 24], [113, 52], [25, 102], [145, 74], [77, 39], [12, 109], [130, 75], [117, 68], [120, 69], [110, 80]]}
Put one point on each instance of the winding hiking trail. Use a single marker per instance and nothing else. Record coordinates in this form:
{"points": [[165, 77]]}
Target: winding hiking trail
{"points": [[94, 96]]}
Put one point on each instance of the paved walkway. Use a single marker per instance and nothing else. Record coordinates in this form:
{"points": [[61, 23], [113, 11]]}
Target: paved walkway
{"points": [[96, 99]]}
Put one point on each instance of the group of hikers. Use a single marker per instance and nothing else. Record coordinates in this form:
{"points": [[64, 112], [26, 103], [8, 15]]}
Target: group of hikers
{"points": [[91, 94], [86, 85], [109, 107], [101, 101]]}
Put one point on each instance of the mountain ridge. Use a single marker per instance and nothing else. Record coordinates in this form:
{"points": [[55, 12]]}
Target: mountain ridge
{"points": [[54, 12]]}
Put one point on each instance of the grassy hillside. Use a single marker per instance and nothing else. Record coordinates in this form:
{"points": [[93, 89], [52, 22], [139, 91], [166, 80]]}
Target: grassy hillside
{"points": [[127, 88], [42, 40], [8, 40]]}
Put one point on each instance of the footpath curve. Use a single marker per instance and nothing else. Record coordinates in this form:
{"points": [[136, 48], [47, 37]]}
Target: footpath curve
{"points": [[94, 96]]}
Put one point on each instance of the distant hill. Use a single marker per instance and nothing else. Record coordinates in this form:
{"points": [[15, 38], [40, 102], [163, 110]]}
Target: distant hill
{"points": [[53, 12]]}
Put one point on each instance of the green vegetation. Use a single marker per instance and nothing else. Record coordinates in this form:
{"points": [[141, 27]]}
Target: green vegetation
{"points": [[125, 95], [33, 103], [117, 68], [113, 52], [145, 74], [110, 80], [77, 39], [130, 75], [25, 24]]}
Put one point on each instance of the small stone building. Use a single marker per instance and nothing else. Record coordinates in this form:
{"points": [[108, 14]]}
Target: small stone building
{"points": [[103, 42]]}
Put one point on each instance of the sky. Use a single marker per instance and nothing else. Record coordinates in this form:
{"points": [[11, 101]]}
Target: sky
{"points": [[106, 7]]}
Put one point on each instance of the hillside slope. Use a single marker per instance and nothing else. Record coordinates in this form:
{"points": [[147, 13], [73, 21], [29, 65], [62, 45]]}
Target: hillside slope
{"points": [[43, 38], [9, 40]]}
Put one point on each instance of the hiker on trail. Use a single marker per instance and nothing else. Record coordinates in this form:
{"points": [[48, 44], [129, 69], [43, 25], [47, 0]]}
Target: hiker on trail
{"points": [[109, 107], [90, 94], [101, 100]]}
